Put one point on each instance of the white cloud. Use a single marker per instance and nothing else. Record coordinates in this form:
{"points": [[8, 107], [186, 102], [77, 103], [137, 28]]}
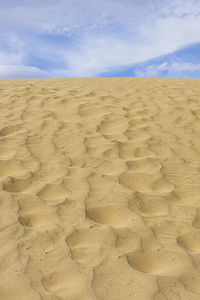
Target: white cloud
{"points": [[52, 16], [98, 54], [182, 8], [179, 67], [105, 33], [20, 71], [172, 69], [185, 67], [10, 58]]}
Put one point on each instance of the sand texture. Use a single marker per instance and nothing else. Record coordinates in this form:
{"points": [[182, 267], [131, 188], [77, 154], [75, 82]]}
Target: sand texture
{"points": [[100, 189]]}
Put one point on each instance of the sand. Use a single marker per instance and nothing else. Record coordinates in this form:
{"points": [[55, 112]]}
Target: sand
{"points": [[100, 189]]}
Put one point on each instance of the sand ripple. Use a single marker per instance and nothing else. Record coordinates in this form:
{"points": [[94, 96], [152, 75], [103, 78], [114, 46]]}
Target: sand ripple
{"points": [[100, 189]]}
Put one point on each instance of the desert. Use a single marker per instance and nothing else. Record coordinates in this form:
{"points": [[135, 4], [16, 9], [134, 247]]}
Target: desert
{"points": [[100, 189]]}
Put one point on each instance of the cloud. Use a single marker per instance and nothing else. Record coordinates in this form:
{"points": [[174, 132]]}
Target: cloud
{"points": [[50, 16], [19, 71], [179, 67], [78, 38], [176, 69]]}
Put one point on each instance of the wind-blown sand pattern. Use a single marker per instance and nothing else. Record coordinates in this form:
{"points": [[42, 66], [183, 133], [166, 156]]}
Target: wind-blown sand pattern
{"points": [[100, 189]]}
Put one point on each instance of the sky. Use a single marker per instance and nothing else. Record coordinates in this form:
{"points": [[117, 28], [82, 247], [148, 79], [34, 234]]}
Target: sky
{"points": [[99, 38]]}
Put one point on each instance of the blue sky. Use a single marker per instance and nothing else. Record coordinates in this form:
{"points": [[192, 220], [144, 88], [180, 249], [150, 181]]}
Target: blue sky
{"points": [[99, 38]]}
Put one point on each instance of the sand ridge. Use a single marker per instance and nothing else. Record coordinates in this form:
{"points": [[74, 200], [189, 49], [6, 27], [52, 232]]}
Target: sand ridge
{"points": [[100, 189]]}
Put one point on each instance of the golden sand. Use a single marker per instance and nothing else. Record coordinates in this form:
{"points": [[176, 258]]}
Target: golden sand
{"points": [[100, 189]]}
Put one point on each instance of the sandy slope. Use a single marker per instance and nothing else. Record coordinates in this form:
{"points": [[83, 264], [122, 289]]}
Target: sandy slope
{"points": [[100, 189]]}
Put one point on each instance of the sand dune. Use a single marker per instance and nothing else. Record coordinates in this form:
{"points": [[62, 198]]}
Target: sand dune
{"points": [[100, 189]]}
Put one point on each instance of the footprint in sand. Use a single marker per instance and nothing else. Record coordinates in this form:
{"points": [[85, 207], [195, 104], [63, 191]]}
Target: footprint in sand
{"points": [[88, 111], [10, 130], [190, 241], [139, 123], [113, 125], [64, 284], [127, 241], [33, 212], [131, 150], [112, 152], [147, 165], [5, 153], [162, 186], [160, 262], [138, 134], [111, 215], [144, 152], [54, 193], [145, 183], [10, 167], [187, 195], [139, 182], [149, 205], [66, 281], [127, 150], [109, 167], [90, 245], [16, 185], [196, 113]]}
